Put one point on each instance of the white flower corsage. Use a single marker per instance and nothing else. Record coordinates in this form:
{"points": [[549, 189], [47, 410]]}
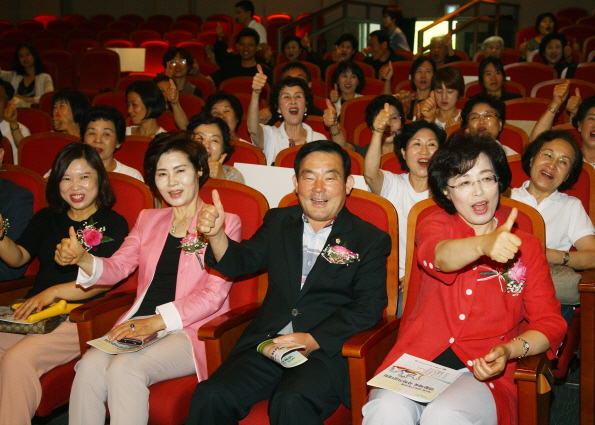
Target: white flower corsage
{"points": [[194, 243], [339, 255], [90, 236]]}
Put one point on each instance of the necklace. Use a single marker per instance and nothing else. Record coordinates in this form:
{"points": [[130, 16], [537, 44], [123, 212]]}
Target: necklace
{"points": [[174, 229]]}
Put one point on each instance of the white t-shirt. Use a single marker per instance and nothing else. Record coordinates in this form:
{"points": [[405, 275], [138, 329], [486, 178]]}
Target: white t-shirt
{"points": [[276, 139], [259, 28], [5, 130], [443, 124], [507, 150], [398, 190], [129, 130], [129, 171], [339, 103], [566, 220]]}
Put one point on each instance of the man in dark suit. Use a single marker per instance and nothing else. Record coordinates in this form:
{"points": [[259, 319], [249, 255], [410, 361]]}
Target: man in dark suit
{"points": [[309, 300]]}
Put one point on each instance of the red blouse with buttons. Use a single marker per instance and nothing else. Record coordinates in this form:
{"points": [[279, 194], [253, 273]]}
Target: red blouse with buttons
{"points": [[471, 312]]}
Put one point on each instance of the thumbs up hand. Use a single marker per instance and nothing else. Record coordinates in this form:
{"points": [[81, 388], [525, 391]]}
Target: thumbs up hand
{"points": [[382, 120], [211, 217], [574, 102], [501, 245], [260, 79], [69, 251], [334, 94]]}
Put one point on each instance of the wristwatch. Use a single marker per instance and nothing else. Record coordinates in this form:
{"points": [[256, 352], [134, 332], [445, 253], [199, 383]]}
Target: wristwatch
{"points": [[526, 346], [566, 258]]}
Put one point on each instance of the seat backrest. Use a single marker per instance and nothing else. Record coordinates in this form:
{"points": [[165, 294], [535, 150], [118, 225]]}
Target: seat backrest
{"points": [[99, 69], [36, 120], [579, 32], [243, 85], [132, 196], [467, 68], [526, 108], [177, 36], [586, 71], [37, 151], [319, 89], [545, 89], [373, 87], [362, 135], [191, 18], [251, 206], [132, 152], [381, 213], [187, 26], [124, 82], [508, 56], [390, 162], [124, 26], [118, 44], [132, 17], [27, 179], [353, 112], [207, 68], [523, 34], [191, 104], [65, 62], [196, 49], [205, 85], [158, 27], [286, 157], [154, 51], [528, 74], [246, 153], [140, 36], [9, 155], [570, 128], [115, 99]]}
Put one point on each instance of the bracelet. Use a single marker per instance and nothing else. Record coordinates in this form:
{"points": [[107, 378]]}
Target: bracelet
{"points": [[552, 110], [375, 130], [526, 346], [566, 258], [12, 130], [338, 130]]}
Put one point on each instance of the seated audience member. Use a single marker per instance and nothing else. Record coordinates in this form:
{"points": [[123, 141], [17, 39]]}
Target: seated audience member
{"points": [[175, 292], [245, 16], [291, 99], [422, 72], [546, 23], [345, 47], [414, 146], [448, 86], [145, 105], [553, 163], [227, 107], [461, 252], [348, 81], [485, 116], [16, 208], [172, 100], [557, 54], [68, 107], [241, 64], [308, 301], [380, 51], [104, 129], [584, 122], [442, 52], [28, 76], [79, 197], [291, 48], [291, 69], [492, 47], [178, 62], [10, 127], [213, 134], [491, 77], [391, 18]]}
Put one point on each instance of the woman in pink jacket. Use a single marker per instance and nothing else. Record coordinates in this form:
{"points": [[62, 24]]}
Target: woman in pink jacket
{"points": [[175, 293]]}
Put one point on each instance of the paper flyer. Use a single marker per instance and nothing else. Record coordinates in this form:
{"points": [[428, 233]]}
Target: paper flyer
{"points": [[114, 347], [284, 354]]}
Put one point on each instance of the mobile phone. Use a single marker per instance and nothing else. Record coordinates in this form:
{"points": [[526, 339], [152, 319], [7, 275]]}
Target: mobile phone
{"points": [[138, 341]]}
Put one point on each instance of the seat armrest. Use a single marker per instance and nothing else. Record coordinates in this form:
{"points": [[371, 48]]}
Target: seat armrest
{"points": [[534, 378], [15, 289], [586, 288]]}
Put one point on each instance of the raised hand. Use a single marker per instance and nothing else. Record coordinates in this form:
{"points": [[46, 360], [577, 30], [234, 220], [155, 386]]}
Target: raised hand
{"points": [[427, 107], [10, 113], [306, 43], [382, 120], [501, 245], [386, 72], [574, 102], [220, 32], [216, 168], [259, 81], [69, 251], [329, 117], [171, 93], [211, 218], [334, 94], [560, 94]]}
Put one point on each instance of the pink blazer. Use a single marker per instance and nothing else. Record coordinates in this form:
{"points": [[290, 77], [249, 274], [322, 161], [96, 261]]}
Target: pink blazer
{"points": [[200, 294]]}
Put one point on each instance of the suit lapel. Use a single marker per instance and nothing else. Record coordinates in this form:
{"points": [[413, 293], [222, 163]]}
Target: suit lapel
{"points": [[293, 228]]}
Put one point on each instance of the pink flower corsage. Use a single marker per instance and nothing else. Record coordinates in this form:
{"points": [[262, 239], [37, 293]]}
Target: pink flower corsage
{"points": [[339, 255], [194, 243], [90, 236], [514, 275]]}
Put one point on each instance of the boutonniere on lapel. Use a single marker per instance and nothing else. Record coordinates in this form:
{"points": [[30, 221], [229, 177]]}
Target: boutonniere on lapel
{"points": [[513, 275], [194, 243], [90, 236], [339, 254]]}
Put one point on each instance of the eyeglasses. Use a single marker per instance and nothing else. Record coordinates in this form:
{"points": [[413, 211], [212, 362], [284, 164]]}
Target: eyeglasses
{"points": [[466, 186], [174, 62], [561, 161], [487, 115]]}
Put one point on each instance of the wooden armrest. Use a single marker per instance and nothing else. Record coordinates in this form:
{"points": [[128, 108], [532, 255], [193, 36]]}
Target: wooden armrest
{"points": [[358, 345], [534, 380], [587, 283], [95, 318], [221, 334], [15, 289], [587, 373]]}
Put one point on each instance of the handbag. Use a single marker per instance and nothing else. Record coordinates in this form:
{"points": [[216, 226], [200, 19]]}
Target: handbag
{"points": [[44, 326], [566, 283]]}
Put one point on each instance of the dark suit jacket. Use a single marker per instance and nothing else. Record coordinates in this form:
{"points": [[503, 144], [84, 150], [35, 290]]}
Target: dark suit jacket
{"points": [[337, 300], [16, 204]]}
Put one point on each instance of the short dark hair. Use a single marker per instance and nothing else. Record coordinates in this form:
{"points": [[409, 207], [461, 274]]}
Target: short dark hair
{"points": [[38, 62], [185, 54], [105, 195], [296, 65], [348, 37], [160, 78], [290, 82], [395, 13], [377, 105], [497, 105], [542, 16], [457, 157], [289, 39], [8, 89], [355, 69], [410, 130], [382, 37], [547, 136], [151, 97], [247, 5], [498, 66], [107, 113], [323, 146], [175, 141], [220, 96], [583, 109], [451, 77], [204, 118], [79, 103], [248, 32], [416, 64], [547, 39]]}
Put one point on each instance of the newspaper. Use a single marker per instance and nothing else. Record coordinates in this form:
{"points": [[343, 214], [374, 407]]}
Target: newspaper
{"points": [[415, 378], [114, 347], [284, 354]]}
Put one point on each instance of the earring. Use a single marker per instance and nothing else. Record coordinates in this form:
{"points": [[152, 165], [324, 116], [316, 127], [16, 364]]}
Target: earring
{"points": [[305, 114], [281, 117]]}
